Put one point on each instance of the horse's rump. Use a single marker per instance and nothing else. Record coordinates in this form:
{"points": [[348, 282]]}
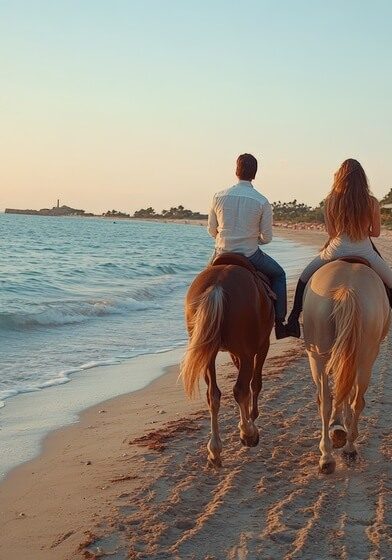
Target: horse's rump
{"points": [[245, 304], [261, 279], [346, 314]]}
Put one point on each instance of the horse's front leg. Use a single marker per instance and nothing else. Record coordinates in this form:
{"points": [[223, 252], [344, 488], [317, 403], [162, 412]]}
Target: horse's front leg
{"points": [[257, 379], [214, 445], [249, 434]]}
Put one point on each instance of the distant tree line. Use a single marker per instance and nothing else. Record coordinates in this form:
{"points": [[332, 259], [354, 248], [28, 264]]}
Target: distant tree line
{"points": [[175, 212], [115, 214], [295, 211], [386, 213]]}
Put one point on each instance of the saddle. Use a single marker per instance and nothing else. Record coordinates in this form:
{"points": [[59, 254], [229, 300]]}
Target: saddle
{"points": [[235, 259]]}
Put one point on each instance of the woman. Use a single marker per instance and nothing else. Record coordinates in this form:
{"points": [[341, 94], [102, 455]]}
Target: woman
{"points": [[352, 216]]}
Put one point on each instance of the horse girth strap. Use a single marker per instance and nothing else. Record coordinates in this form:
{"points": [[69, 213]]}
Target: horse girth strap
{"points": [[262, 281]]}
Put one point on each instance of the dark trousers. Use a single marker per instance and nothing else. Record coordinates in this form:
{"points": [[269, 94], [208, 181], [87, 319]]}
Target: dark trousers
{"points": [[277, 276]]}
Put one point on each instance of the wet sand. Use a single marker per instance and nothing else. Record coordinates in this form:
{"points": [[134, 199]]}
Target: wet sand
{"points": [[130, 480]]}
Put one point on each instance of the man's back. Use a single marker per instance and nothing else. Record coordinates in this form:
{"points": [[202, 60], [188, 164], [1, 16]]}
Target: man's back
{"points": [[240, 219]]}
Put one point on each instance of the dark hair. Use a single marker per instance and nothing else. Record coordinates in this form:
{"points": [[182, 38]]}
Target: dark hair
{"points": [[246, 167]]}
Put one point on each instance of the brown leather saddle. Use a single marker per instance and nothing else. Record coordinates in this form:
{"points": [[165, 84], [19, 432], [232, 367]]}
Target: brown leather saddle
{"points": [[235, 259]]}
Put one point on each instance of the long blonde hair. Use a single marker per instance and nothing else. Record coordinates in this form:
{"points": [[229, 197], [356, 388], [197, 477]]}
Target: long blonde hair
{"points": [[349, 205]]}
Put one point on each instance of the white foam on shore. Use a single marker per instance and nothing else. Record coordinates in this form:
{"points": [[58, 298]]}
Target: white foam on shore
{"points": [[63, 376], [28, 417]]}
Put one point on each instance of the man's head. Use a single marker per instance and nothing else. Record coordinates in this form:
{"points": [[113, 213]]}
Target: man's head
{"points": [[246, 167]]}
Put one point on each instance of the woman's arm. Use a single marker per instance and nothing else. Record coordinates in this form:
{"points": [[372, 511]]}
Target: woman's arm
{"points": [[375, 226]]}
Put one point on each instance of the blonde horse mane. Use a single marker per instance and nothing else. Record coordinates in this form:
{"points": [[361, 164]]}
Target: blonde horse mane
{"points": [[204, 340], [343, 362]]}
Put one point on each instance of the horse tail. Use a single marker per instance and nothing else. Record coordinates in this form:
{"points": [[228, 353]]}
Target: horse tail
{"points": [[343, 361], [205, 337]]}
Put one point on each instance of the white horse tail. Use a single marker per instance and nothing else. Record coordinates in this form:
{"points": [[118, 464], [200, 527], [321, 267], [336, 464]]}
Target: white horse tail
{"points": [[205, 337], [343, 361]]}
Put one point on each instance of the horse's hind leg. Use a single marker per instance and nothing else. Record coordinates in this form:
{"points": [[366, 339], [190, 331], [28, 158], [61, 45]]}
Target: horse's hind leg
{"points": [[353, 413], [249, 434], [317, 366], [214, 445], [357, 404], [257, 379], [337, 430]]}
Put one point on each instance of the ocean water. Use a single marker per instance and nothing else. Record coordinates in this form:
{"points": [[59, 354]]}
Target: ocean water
{"points": [[76, 293]]}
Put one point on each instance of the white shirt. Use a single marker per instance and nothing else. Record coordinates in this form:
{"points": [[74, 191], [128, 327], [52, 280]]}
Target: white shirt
{"points": [[240, 218]]}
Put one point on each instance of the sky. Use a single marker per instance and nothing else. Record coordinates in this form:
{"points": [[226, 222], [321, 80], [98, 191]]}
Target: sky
{"points": [[127, 104]]}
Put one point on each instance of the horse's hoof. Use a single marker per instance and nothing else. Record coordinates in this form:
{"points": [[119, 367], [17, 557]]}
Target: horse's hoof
{"points": [[215, 463], [250, 441], [350, 456], [339, 437], [327, 468]]}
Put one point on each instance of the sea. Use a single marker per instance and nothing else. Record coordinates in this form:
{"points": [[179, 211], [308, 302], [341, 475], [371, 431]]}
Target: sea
{"points": [[79, 293]]}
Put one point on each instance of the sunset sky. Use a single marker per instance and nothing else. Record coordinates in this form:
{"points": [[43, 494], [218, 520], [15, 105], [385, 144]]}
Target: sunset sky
{"points": [[123, 104]]}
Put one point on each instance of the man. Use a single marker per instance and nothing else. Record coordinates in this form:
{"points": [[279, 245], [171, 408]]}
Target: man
{"points": [[240, 218]]}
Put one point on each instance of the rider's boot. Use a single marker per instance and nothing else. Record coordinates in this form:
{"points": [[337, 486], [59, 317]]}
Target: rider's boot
{"points": [[292, 325], [280, 329]]}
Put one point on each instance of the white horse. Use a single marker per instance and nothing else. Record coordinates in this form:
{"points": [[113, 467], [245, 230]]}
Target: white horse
{"points": [[346, 315]]}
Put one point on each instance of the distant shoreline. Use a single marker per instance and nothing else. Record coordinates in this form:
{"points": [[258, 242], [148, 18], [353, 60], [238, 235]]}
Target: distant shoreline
{"points": [[198, 221], [281, 226]]}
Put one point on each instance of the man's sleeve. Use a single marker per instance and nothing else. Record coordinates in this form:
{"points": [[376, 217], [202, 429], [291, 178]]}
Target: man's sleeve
{"points": [[266, 224], [212, 221]]}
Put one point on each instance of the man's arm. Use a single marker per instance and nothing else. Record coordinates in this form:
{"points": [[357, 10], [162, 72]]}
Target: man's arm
{"points": [[212, 221], [266, 224]]}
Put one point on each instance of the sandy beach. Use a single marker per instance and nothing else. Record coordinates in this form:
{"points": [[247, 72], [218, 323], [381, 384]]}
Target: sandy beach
{"points": [[130, 479]]}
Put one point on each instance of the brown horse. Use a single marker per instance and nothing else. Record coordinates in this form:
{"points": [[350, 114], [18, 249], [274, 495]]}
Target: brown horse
{"points": [[227, 308]]}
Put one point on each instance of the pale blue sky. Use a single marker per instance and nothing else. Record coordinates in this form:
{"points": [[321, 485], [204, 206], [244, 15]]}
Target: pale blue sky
{"points": [[124, 104]]}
